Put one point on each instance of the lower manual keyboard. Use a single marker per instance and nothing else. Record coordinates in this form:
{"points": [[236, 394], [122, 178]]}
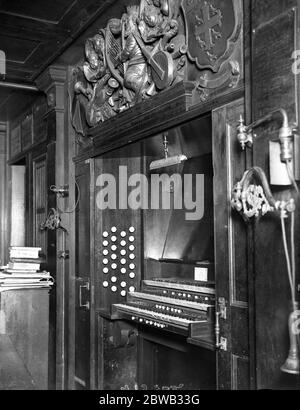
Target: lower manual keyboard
{"points": [[177, 324]]}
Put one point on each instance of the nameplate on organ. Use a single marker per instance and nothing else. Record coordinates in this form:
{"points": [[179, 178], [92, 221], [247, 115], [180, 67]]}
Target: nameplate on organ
{"points": [[182, 307]]}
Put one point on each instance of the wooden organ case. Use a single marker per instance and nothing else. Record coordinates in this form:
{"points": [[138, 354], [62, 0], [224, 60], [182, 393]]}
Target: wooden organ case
{"points": [[164, 304], [153, 294]]}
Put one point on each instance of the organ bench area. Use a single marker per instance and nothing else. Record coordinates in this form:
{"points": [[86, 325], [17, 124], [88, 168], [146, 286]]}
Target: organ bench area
{"points": [[146, 283]]}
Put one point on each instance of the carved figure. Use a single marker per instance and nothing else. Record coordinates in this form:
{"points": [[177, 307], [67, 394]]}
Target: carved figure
{"points": [[95, 82], [137, 77]]}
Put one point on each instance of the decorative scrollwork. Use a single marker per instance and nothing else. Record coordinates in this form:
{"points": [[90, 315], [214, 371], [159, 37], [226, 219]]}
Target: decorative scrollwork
{"points": [[252, 196]]}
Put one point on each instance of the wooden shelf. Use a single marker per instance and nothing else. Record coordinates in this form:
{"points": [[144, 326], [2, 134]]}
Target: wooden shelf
{"points": [[144, 119], [162, 112]]}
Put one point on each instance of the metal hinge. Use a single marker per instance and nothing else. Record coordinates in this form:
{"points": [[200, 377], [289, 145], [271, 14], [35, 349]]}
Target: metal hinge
{"points": [[221, 313]]}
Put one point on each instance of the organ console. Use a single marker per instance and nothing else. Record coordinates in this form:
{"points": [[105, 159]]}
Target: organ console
{"points": [[177, 306]]}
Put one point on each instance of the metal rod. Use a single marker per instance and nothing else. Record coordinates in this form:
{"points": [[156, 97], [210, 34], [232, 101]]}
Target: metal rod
{"points": [[269, 116], [19, 86]]}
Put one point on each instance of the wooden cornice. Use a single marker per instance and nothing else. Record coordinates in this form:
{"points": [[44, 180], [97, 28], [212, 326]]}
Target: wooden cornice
{"points": [[158, 114]]}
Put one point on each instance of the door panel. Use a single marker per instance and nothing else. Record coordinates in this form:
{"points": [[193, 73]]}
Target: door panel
{"points": [[82, 274], [231, 251]]}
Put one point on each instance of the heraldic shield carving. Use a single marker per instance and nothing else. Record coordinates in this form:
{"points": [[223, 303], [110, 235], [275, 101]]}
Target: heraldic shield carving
{"points": [[212, 29]]}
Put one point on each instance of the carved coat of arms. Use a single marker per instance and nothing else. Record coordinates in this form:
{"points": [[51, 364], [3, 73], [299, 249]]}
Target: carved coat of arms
{"points": [[213, 27]]}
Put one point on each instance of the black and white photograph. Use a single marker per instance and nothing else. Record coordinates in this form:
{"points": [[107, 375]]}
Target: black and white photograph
{"points": [[150, 198]]}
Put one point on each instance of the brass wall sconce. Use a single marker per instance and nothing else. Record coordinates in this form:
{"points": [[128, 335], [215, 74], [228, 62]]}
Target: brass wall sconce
{"points": [[246, 136], [289, 142]]}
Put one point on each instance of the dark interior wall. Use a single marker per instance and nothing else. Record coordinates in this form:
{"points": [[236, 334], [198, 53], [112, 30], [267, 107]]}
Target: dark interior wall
{"points": [[273, 86], [3, 190]]}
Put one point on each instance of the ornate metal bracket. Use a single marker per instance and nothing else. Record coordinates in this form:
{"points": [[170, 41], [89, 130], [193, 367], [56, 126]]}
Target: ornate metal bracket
{"points": [[53, 221], [252, 196]]}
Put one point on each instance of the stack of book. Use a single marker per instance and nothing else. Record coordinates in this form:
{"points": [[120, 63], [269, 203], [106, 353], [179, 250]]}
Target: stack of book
{"points": [[24, 270]]}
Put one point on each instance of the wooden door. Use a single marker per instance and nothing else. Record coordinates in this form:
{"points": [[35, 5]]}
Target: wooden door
{"points": [[82, 278], [233, 370]]}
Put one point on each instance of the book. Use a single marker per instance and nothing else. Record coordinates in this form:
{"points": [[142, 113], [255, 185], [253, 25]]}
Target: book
{"points": [[27, 266], [24, 252], [28, 260], [25, 271], [22, 274], [29, 248]]}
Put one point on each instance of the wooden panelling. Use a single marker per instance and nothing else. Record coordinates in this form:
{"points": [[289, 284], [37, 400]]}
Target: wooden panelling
{"points": [[83, 325], [39, 202], [273, 78], [119, 356], [27, 132], [3, 198], [115, 222], [264, 10], [15, 141], [274, 86], [39, 122]]}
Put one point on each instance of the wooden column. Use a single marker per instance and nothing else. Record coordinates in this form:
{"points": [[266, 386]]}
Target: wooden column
{"points": [[53, 82]]}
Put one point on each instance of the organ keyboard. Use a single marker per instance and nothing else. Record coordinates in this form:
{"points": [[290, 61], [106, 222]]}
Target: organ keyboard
{"points": [[181, 307]]}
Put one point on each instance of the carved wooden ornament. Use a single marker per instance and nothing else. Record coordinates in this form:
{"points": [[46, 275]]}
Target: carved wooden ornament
{"points": [[149, 48]]}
